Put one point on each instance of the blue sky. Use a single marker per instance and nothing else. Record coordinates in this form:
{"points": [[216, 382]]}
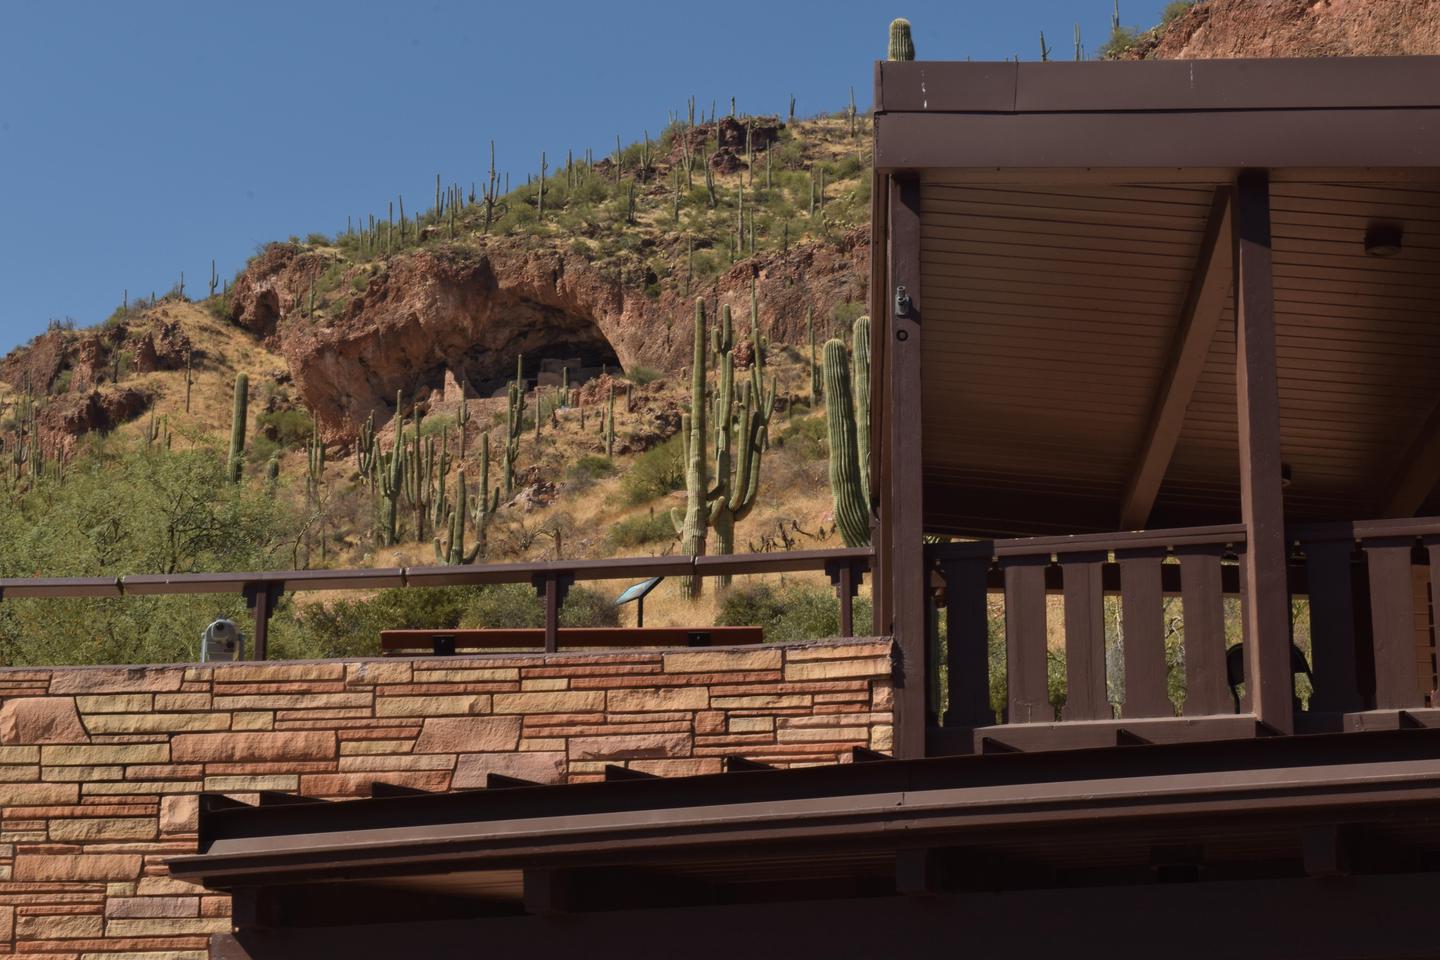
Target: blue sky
{"points": [[142, 138]]}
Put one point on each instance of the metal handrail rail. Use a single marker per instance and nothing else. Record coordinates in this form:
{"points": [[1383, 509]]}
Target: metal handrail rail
{"points": [[262, 590]]}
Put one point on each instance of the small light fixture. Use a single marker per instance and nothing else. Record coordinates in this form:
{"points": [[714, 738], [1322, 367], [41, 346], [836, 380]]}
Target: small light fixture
{"points": [[1383, 239], [1285, 474]]}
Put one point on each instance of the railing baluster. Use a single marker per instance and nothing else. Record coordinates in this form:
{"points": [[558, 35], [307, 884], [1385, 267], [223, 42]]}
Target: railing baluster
{"points": [[1206, 689], [1143, 617], [1329, 561], [1392, 614], [967, 641], [1025, 635], [1085, 697]]}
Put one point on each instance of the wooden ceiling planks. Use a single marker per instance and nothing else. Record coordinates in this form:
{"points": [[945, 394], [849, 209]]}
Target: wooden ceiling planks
{"points": [[1051, 311]]}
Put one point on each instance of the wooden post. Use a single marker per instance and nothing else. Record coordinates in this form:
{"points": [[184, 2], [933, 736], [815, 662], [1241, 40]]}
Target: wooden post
{"points": [[908, 575], [846, 577], [262, 599], [552, 586], [1267, 608]]}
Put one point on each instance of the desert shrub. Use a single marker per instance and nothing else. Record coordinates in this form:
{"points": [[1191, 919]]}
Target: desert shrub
{"points": [[590, 468], [643, 375], [789, 612], [655, 472], [437, 425], [351, 628], [1121, 40], [287, 428], [806, 437], [1174, 11], [639, 530], [517, 605]]}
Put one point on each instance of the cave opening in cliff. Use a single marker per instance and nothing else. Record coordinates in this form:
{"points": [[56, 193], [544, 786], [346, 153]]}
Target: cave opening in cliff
{"points": [[549, 339]]}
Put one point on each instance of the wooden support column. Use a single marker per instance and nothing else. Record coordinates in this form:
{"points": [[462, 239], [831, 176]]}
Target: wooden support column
{"points": [[1267, 607], [552, 588], [908, 575], [261, 599]]}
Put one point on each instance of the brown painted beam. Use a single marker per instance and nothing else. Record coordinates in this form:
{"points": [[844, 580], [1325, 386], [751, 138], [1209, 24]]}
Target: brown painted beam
{"points": [[1262, 507], [908, 572], [1204, 305], [1418, 473]]}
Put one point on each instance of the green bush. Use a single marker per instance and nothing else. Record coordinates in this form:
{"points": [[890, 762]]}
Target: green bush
{"points": [[517, 605], [807, 437], [789, 612], [1174, 11], [590, 468], [287, 428], [639, 530], [655, 472], [643, 375], [351, 628]]}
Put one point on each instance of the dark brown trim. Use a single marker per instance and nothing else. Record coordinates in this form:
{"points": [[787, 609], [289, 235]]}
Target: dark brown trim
{"points": [[1267, 600], [1199, 319], [1338, 918], [1228, 141], [1350, 83], [908, 576]]}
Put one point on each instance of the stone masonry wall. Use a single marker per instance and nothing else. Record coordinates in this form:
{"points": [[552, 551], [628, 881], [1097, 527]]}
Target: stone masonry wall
{"points": [[100, 766]]}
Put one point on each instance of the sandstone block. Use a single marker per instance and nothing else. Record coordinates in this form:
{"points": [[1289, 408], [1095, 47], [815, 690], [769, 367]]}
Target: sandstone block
{"points": [[253, 720], [839, 650], [30, 720], [117, 680], [157, 722], [179, 814], [638, 699], [723, 661], [752, 724], [470, 675], [823, 734], [363, 748], [46, 868], [250, 747], [174, 702], [278, 672], [117, 703], [359, 674], [25, 754], [18, 773], [37, 794], [287, 784], [777, 701], [468, 735], [141, 907], [167, 927], [400, 761], [86, 830], [639, 746], [165, 886], [837, 669], [557, 701], [110, 753], [544, 683], [50, 927], [710, 721], [542, 766], [7, 924], [691, 767], [431, 706]]}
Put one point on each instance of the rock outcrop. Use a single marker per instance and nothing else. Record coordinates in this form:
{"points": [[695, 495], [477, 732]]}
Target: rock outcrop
{"points": [[1232, 29], [407, 324]]}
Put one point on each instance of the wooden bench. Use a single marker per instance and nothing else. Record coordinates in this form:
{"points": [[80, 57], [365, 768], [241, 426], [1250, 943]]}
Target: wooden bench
{"points": [[449, 642]]}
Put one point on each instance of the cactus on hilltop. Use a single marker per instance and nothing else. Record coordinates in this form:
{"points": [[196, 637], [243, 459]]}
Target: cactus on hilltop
{"points": [[847, 394], [902, 46], [695, 524], [514, 422]]}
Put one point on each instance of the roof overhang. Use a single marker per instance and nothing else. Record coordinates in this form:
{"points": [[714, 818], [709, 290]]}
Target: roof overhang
{"points": [[1381, 113]]}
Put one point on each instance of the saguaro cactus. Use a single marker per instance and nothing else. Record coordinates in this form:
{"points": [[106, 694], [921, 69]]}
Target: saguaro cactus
{"points": [[488, 501], [849, 483], [514, 421], [742, 418], [694, 527], [902, 47], [237, 427]]}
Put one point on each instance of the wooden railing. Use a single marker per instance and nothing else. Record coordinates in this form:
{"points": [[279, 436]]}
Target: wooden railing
{"points": [[552, 579], [1152, 601]]}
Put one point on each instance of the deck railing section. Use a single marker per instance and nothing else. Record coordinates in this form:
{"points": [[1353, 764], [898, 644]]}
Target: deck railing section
{"points": [[1365, 633], [846, 569]]}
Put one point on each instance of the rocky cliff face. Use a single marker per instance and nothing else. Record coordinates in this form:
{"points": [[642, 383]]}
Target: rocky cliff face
{"points": [[403, 325], [1232, 29]]}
